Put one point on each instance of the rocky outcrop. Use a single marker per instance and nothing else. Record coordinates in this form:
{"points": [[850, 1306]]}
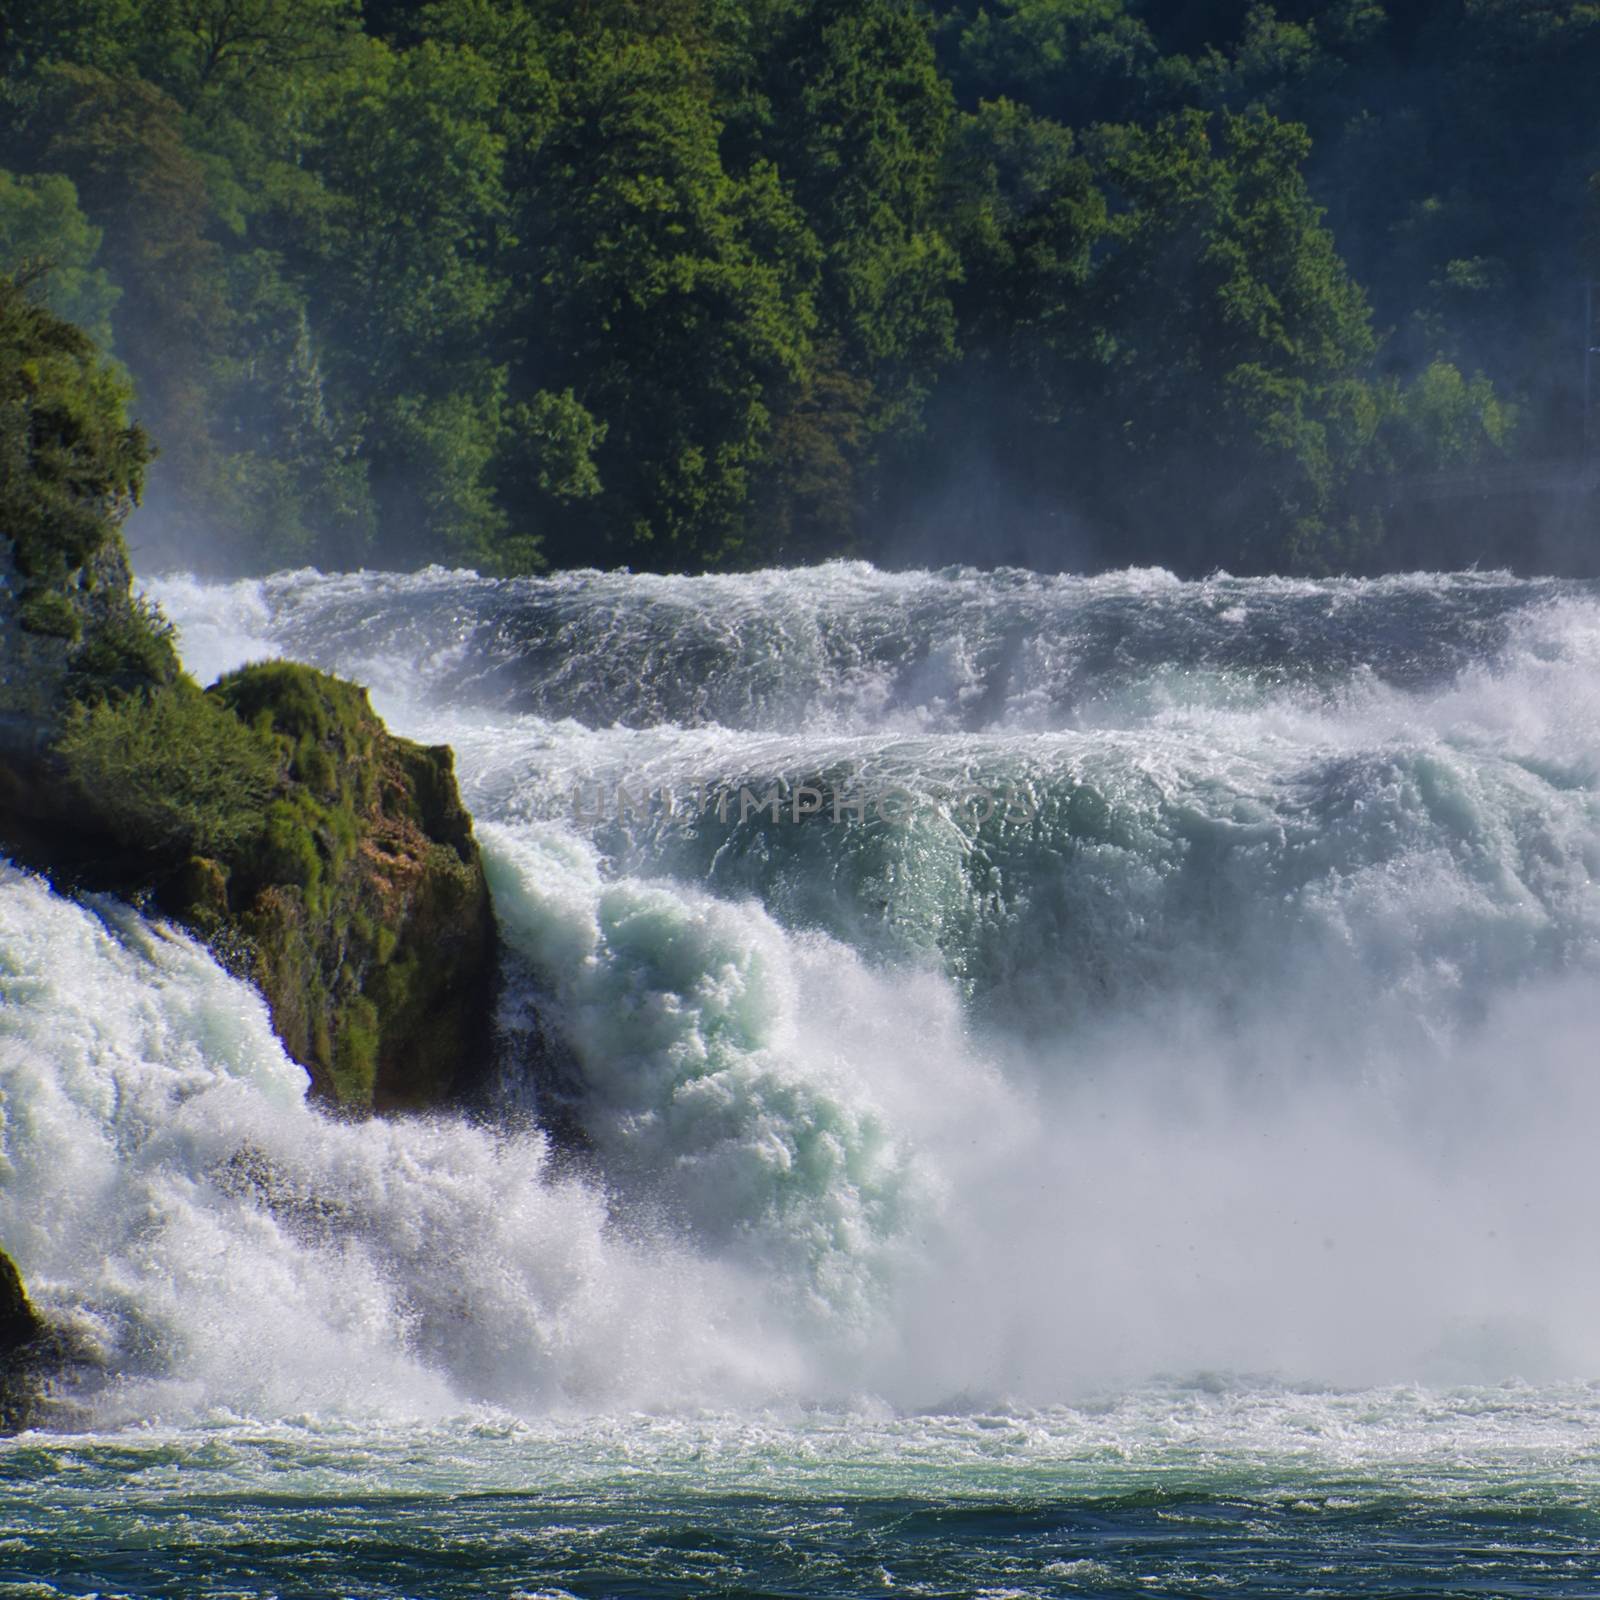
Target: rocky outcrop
{"points": [[46, 630], [46, 1368], [26, 1353], [360, 907], [319, 855], [110, 648], [274, 814], [70, 471], [20, 1324]]}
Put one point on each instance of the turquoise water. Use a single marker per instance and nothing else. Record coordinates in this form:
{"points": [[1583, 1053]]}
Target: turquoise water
{"points": [[1178, 1490], [1176, 1182]]}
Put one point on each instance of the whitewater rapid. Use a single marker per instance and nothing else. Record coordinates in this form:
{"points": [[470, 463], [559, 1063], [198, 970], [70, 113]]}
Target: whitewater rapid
{"points": [[1250, 1027]]}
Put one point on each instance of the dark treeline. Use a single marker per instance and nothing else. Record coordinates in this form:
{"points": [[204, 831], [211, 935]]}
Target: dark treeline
{"points": [[707, 283]]}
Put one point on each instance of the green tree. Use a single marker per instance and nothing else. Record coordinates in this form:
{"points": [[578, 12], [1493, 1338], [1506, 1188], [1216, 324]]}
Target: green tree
{"points": [[662, 293], [70, 463], [856, 123], [43, 232], [1026, 215], [1168, 350], [1075, 61], [1442, 419], [1228, 334], [120, 141], [397, 237], [292, 484], [212, 54]]}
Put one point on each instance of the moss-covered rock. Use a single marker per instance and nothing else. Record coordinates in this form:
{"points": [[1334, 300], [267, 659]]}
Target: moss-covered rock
{"points": [[20, 1324], [23, 1336], [360, 905], [44, 1366], [321, 856], [273, 814]]}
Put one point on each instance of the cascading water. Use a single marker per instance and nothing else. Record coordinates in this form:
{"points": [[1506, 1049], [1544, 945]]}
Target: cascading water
{"points": [[977, 992]]}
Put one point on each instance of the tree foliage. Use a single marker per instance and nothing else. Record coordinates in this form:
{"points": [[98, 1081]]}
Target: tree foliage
{"points": [[691, 283], [69, 461]]}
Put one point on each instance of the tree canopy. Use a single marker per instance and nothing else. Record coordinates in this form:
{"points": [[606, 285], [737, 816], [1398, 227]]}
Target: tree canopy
{"points": [[689, 284]]}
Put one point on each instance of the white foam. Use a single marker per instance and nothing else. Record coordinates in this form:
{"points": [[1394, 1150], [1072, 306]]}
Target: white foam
{"points": [[165, 1184]]}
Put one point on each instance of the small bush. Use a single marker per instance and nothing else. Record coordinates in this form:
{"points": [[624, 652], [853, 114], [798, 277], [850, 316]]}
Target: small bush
{"points": [[170, 771], [132, 646]]}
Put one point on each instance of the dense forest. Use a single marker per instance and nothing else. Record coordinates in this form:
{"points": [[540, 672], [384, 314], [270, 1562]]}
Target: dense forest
{"points": [[688, 284]]}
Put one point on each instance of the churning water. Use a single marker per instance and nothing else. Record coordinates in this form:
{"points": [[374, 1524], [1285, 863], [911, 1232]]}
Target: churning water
{"points": [[1081, 1086]]}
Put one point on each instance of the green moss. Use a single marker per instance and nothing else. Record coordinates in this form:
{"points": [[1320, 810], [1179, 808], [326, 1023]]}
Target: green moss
{"points": [[325, 732], [431, 772], [343, 833], [198, 895], [286, 850], [49, 612], [315, 767], [394, 985], [298, 702], [355, 1056], [326, 727]]}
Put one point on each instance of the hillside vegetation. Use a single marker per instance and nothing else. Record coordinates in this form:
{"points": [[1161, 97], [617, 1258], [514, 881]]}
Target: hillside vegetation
{"points": [[690, 284]]}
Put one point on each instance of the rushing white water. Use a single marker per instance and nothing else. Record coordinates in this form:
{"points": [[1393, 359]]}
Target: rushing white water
{"points": [[228, 1247], [1253, 1029]]}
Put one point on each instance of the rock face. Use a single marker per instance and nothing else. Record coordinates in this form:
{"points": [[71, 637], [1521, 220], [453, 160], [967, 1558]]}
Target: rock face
{"points": [[43, 1366], [20, 1324], [360, 908], [23, 1341], [273, 814], [36, 661], [111, 649]]}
